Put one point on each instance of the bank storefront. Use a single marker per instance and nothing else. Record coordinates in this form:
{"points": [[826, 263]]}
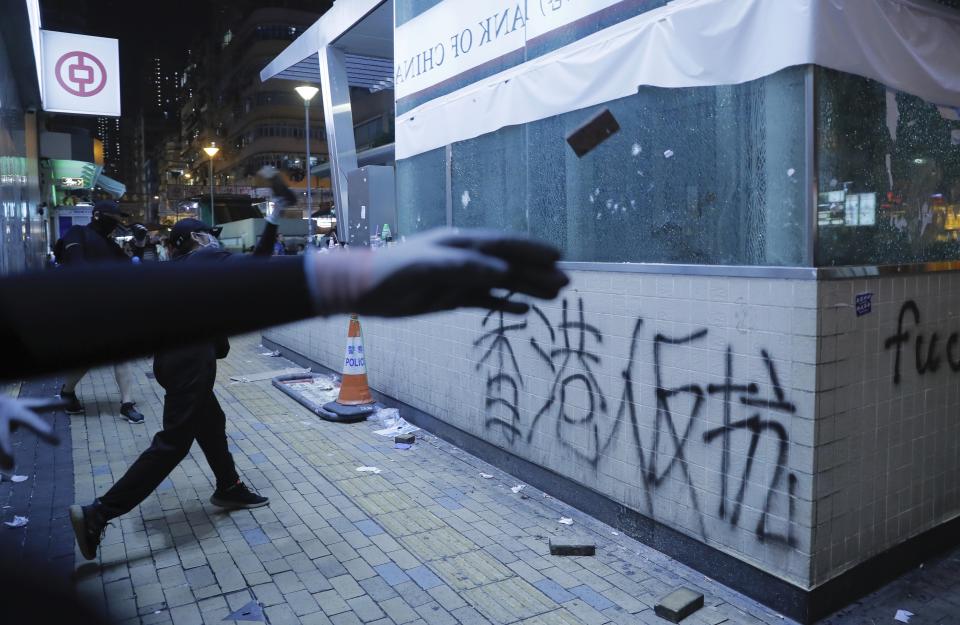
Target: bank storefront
{"points": [[754, 369]]}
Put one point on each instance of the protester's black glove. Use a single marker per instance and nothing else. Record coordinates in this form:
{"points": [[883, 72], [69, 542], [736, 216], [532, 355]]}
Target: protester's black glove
{"points": [[20, 412], [440, 270]]}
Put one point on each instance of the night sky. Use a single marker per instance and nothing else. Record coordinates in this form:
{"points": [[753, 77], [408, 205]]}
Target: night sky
{"points": [[141, 26]]}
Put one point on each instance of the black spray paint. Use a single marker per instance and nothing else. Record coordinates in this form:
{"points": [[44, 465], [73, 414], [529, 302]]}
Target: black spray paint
{"points": [[572, 364]]}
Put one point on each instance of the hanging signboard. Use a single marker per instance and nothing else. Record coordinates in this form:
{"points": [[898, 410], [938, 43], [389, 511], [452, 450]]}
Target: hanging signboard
{"points": [[81, 74], [456, 36]]}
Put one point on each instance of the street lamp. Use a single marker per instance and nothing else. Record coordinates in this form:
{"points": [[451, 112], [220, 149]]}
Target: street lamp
{"points": [[307, 92], [211, 152]]}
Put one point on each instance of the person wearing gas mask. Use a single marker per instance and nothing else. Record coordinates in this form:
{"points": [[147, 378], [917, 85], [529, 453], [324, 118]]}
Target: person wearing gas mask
{"points": [[93, 243]]}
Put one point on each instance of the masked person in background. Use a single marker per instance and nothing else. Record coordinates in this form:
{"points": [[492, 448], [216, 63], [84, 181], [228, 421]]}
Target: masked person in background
{"points": [[89, 244]]}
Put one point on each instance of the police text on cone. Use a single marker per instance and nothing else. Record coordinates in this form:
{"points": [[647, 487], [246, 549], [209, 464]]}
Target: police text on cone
{"points": [[354, 389]]}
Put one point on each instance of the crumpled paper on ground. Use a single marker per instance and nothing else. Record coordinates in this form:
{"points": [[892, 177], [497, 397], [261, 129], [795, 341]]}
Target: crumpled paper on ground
{"points": [[18, 521], [903, 616], [368, 469], [394, 424]]}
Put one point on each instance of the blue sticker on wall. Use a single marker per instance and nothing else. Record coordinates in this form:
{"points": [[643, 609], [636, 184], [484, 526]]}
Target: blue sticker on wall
{"points": [[864, 304]]}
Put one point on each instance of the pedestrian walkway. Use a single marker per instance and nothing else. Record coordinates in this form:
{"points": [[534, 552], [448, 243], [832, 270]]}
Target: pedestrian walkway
{"points": [[427, 540]]}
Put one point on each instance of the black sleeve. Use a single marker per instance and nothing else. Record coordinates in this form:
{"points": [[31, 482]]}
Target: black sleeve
{"points": [[267, 239], [119, 311]]}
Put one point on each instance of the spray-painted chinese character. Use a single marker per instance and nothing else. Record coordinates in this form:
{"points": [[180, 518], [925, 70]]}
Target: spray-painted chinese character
{"points": [[503, 383]]}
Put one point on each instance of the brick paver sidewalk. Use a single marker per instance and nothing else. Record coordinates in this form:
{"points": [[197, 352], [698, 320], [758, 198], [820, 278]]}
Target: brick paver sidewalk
{"points": [[427, 540]]}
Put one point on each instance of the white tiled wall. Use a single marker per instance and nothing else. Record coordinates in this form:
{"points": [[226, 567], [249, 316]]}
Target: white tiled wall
{"points": [[443, 364], [887, 453]]}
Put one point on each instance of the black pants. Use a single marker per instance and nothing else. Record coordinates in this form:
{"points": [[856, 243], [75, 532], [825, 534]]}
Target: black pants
{"points": [[190, 412]]}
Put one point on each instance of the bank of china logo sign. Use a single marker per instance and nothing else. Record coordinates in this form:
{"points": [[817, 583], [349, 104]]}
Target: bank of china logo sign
{"points": [[81, 74]]}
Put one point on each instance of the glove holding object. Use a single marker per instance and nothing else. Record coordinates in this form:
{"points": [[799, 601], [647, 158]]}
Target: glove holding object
{"points": [[282, 195]]}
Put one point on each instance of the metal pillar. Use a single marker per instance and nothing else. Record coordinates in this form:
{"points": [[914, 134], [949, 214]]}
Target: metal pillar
{"points": [[213, 218], [310, 223], [338, 117]]}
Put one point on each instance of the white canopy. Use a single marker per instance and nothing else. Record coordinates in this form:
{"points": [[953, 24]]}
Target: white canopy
{"points": [[908, 45]]}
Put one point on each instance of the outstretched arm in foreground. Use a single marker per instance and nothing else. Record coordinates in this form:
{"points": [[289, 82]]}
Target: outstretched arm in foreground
{"points": [[179, 303]]}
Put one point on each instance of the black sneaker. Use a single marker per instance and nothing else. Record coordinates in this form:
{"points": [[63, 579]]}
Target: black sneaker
{"points": [[132, 414], [237, 496], [73, 406], [89, 525]]}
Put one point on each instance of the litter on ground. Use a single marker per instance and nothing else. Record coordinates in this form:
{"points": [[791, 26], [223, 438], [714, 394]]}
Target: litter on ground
{"points": [[18, 521], [394, 424], [268, 375], [565, 521], [368, 469], [486, 476], [518, 488]]}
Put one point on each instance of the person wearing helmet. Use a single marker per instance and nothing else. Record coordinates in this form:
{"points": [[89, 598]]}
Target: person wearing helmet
{"points": [[93, 244]]}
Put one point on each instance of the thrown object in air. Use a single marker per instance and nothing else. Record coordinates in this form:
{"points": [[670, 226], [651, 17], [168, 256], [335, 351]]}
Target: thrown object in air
{"points": [[593, 132], [355, 402]]}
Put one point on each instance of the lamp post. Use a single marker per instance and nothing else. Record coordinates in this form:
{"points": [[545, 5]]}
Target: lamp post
{"points": [[211, 152], [307, 92]]}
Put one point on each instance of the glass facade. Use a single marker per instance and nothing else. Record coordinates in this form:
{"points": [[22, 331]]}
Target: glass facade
{"points": [[22, 240], [703, 176], [888, 172], [708, 175]]}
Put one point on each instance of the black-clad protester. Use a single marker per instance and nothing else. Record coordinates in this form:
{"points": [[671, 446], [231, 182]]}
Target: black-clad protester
{"points": [[93, 243], [191, 411]]}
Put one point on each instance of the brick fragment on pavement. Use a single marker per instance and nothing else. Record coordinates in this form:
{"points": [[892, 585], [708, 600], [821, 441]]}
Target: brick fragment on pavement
{"points": [[405, 439], [679, 604], [571, 546]]}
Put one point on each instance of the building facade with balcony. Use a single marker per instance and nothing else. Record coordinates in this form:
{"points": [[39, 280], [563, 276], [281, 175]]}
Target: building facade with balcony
{"points": [[251, 122]]}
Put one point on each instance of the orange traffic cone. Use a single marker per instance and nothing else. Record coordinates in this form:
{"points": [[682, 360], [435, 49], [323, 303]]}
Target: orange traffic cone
{"points": [[354, 402]]}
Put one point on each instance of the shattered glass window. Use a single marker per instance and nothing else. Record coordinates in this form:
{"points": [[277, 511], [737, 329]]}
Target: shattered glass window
{"points": [[422, 194], [888, 175], [710, 175]]}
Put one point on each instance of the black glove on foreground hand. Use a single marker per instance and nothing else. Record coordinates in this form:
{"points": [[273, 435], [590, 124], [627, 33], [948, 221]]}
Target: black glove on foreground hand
{"points": [[19, 412], [438, 270]]}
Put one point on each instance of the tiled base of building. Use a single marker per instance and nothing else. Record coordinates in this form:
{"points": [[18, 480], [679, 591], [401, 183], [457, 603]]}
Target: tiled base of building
{"points": [[788, 599]]}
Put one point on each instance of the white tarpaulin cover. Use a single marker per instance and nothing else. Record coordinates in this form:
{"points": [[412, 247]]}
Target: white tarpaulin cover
{"points": [[908, 45]]}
